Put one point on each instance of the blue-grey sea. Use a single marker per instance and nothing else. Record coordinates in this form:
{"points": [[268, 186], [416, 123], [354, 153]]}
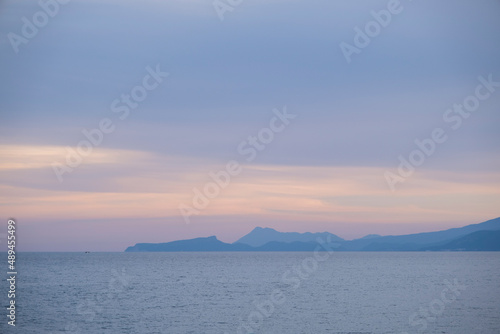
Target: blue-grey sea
{"points": [[386, 292]]}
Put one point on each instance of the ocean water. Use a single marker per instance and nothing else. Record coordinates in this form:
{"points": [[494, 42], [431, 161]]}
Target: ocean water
{"points": [[255, 293]]}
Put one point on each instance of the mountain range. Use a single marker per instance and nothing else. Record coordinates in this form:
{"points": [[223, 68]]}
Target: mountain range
{"points": [[476, 237]]}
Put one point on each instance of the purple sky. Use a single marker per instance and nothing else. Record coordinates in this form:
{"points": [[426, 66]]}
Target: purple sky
{"points": [[100, 148]]}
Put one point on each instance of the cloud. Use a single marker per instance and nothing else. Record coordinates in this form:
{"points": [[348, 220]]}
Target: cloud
{"points": [[226, 77], [120, 183]]}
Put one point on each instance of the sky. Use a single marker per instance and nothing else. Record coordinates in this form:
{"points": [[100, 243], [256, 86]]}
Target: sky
{"points": [[151, 121]]}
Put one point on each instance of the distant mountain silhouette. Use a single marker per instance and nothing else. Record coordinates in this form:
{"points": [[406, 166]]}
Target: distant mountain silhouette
{"points": [[417, 241], [212, 244], [370, 236], [192, 245], [296, 246], [477, 237], [476, 241], [261, 236]]}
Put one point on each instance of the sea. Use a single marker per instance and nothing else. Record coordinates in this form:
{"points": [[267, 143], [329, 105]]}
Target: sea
{"points": [[253, 292]]}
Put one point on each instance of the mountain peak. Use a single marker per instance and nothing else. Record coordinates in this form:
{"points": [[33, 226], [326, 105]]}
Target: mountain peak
{"points": [[263, 235], [477, 237], [258, 228]]}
